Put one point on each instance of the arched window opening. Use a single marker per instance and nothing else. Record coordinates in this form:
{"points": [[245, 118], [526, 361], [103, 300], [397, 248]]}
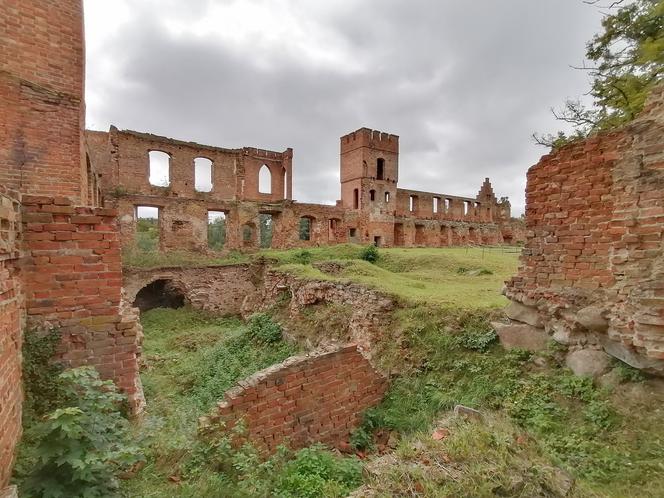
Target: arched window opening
{"points": [[305, 228], [448, 203], [466, 207], [372, 195], [160, 167], [380, 168], [436, 204], [147, 228], [264, 180], [356, 199], [216, 230], [202, 174], [387, 197], [162, 293]]}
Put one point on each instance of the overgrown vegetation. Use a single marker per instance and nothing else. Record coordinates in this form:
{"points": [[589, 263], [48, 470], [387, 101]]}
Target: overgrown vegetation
{"points": [[191, 359], [80, 447], [599, 438], [41, 381], [625, 62], [542, 430], [415, 275], [370, 254], [147, 234]]}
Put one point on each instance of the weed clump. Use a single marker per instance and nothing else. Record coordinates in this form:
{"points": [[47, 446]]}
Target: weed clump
{"points": [[263, 329], [478, 340], [302, 257], [370, 254]]}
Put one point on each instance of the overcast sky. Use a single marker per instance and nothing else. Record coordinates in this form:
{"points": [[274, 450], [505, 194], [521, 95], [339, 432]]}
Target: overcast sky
{"points": [[463, 83]]}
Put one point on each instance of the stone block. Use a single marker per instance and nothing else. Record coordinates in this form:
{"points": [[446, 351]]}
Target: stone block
{"points": [[525, 314], [591, 318], [521, 336], [630, 356], [588, 362]]}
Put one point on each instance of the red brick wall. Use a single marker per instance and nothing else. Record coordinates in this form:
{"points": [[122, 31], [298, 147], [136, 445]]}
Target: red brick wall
{"points": [[318, 397], [569, 206], [11, 318], [595, 221], [41, 96], [73, 280]]}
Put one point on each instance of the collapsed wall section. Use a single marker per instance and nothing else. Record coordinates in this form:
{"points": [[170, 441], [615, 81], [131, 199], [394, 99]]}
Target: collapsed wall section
{"points": [[318, 397], [592, 270]]}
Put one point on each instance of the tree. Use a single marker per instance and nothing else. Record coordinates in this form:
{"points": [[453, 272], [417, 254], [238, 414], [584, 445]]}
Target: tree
{"points": [[216, 233], [626, 60], [265, 224]]}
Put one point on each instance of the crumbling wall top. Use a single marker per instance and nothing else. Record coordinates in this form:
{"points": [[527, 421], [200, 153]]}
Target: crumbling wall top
{"points": [[366, 137]]}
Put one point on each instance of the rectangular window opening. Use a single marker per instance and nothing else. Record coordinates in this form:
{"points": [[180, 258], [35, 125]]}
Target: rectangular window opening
{"points": [[147, 228], [216, 229]]}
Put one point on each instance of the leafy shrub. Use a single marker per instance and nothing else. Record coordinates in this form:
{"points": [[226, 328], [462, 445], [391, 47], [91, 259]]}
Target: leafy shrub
{"points": [[370, 253], [361, 438], [315, 472], [627, 373], [263, 329], [41, 381], [478, 340], [302, 257], [81, 447]]}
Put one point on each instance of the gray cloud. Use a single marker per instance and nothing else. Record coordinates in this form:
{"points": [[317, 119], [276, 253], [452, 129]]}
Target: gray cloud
{"points": [[464, 84]]}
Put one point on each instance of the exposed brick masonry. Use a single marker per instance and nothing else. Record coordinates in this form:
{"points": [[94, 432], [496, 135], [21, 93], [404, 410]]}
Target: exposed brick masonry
{"points": [[73, 277], [11, 325], [317, 397], [593, 265], [371, 208]]}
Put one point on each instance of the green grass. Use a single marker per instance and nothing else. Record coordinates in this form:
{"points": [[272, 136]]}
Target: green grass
{"points": [[191, 359], [448, 277], [613, 444], [133, 257], [539, 417]]}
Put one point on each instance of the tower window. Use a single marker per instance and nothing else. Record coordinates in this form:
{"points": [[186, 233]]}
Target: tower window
{"points": [[380, 168], [372, 195]]}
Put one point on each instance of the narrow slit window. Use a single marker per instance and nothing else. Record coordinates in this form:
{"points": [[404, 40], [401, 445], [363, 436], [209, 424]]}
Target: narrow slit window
{"points": [[436, 203], [160, 166], [372, 195], [412, 203], [356, 199], [387, 197], [202, 174], [285, 184]]}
